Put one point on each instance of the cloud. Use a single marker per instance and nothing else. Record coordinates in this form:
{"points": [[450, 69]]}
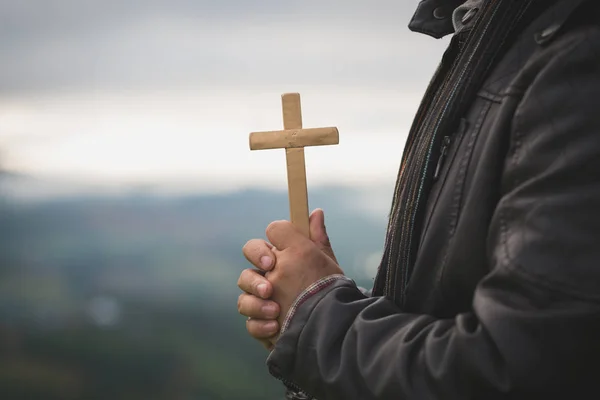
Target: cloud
{"points": [[195, 137], [118, 45], [147, 90]]}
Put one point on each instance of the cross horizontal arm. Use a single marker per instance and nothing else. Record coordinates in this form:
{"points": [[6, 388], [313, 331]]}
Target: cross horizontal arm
{"points": [[293, 138]]}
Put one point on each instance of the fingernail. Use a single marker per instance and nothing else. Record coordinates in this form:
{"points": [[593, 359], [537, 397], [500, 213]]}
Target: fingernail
{"points": [[266, 261], [262, 289], [270, 310], [271, 326]]}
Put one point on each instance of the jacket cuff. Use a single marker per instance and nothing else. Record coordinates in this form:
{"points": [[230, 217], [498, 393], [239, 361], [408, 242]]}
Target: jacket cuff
{"points": [[310, 291], [282, 358]]}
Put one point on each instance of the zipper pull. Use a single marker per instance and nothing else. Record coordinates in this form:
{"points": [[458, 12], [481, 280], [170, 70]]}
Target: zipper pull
{"points": [[442, 158]]}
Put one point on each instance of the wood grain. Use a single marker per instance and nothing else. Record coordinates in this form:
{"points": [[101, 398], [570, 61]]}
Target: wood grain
{"points": [[296, 168], [293, 138]]}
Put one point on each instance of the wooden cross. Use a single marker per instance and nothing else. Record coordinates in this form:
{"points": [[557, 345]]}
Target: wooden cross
{"points": [[293, 139]]}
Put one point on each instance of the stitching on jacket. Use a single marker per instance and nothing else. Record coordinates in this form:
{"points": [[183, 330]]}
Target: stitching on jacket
{"points": [[505, 256], [459, 190], [462, 172], [487, 95], [517, 141]]}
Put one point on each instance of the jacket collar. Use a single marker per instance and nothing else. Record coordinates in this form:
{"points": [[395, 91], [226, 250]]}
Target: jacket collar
{"points": [[434, 17]]}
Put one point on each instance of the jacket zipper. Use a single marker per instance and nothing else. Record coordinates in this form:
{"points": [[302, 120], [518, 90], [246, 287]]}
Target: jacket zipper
{"points": [[444, 98], [291, 385], [442, 158], [386, 275], [448, 97]]}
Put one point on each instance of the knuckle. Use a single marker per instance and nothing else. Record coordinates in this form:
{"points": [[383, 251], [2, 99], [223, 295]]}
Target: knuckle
{"points": [[240, 303], [273, 227], [252, 328], [249, 327], [275, 310], [260, 249], [254, 249], [251, 246], [258, 329], [255, 288], [243, 279], [247, 246], [250, 282], [256, 281]]}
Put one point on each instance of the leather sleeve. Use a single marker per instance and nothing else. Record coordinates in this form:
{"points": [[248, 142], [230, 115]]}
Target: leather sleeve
{"points": [[534, 327]]}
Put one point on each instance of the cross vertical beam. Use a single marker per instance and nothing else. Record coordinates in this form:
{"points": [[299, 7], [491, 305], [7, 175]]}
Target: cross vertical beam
{"points": [[296, 167]]}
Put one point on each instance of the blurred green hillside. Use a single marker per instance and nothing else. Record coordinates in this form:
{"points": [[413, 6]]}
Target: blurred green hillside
{"points": [[134, 296]]}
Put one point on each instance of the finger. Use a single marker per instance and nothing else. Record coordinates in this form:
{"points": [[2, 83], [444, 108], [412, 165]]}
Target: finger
{"points": [[253, 283], [318, 232], [282, 234], [255, 307], [260, 254], [261, 329]]}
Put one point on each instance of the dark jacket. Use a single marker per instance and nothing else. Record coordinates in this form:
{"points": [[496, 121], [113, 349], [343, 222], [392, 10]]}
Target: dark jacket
{"points": [[503, 297]]}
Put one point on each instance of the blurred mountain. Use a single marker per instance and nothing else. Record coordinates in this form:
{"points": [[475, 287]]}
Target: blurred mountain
{"points": [[129, 295]]}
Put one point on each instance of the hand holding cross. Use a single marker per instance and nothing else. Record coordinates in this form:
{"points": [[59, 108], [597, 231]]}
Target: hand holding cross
{"points": [[293, 139]]}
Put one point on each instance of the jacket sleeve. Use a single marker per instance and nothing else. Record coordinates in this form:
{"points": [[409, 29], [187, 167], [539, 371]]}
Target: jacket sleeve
{"points": [[534, 327]]}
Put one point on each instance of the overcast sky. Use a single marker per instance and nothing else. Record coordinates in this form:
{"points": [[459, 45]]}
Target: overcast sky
{"points": [[141, 91]]}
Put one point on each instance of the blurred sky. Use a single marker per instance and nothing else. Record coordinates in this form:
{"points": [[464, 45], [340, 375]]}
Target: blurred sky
{"points": [[145, 91]]}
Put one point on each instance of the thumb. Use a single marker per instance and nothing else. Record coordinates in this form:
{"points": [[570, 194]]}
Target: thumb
{"points": [[318, 233]]}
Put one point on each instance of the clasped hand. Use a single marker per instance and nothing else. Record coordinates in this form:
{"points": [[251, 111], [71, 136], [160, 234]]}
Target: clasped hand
{"points": [[286, 265]]}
